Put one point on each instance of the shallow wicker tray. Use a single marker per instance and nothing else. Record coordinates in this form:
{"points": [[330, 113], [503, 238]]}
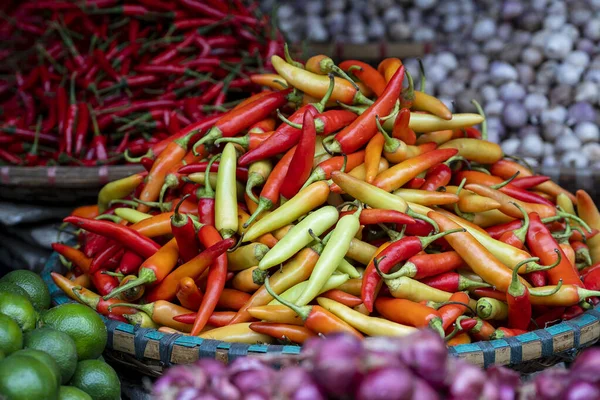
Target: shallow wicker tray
{"points": [[150, 351], [58, 184]]}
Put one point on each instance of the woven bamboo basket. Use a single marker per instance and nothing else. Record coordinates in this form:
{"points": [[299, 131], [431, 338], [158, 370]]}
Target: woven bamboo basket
{"points": [[59, 185], [150, 351]]}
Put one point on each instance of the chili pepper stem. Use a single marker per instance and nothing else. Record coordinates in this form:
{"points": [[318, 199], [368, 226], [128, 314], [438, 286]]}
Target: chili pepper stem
{"points": [[145, 276], [484, 132], [549, 292], [263, 205], [302, 311], [422, 217], [253, 181], [88, 301], [506, 182], [521, 233]]}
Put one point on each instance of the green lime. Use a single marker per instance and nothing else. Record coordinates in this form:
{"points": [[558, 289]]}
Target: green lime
{"points": [[42, 357], [83, 325], [11, 336], [2, 355], [9, 287], [98, 379], [56, 343], [26, 378], [72, 393], [33, 284], [20, 309]]}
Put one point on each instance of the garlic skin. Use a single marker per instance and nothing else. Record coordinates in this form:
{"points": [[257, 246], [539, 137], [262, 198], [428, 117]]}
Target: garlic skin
{"points": [[534, 66]]}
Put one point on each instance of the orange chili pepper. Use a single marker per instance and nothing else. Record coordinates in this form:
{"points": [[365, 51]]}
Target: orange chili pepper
{"points": [[188, 294], [396, 176], [154, 270], [167, 288], [342, 297], [410, 313], [461, 338], [367, 75], [243, 281], [478, 257], [388, 67], [507, 168], [457, 305], [77, 257], [373, 156], [157, 225], [294, 271], [272, 81], [507, 203], [232, 299], [401, 129], [88, 297], [316, 85], [316, 318], [162, 312], [170, 157], [90, 211], [285, 332]]}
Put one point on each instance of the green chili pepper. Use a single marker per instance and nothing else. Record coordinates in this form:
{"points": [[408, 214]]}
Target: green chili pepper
{"points": [[293, 293], [226, 219], [333, 253], [299, 236]]}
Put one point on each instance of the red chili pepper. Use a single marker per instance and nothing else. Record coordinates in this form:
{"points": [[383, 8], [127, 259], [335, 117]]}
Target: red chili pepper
{"points": [[367, 75], [301, 163], [497, 231], [70, 120], [359, 132], [527, 182], [103, 62], [183, 229], [419, 228], [372, 216], [582, 252], [456, 306], [269, 195], [129, 238], [489, 292], [452, 282], [401, 129], [241, 118], [554, 314], [282, 140], [102, 259], [437, 177], [103, 283], [217, 275], [130, 263], [206, 198], [541, 244], [591, 279], [415, 183], [572, 312], [393, 254], [83, 120], [241, 173]]}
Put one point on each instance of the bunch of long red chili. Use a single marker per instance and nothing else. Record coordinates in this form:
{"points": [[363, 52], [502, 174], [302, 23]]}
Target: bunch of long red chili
{"points": [[109, 77], [371, 214]]}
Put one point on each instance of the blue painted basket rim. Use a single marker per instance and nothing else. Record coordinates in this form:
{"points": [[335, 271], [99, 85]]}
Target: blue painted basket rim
{"points": [[207, 348]]}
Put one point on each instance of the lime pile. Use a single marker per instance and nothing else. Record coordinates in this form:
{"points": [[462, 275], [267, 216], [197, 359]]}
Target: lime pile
{"points": [[50, 353]]}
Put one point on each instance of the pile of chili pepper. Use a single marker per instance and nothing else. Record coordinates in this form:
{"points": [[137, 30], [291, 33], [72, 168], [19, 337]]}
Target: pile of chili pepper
{"points": [[351, 203], [98, 82]]}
